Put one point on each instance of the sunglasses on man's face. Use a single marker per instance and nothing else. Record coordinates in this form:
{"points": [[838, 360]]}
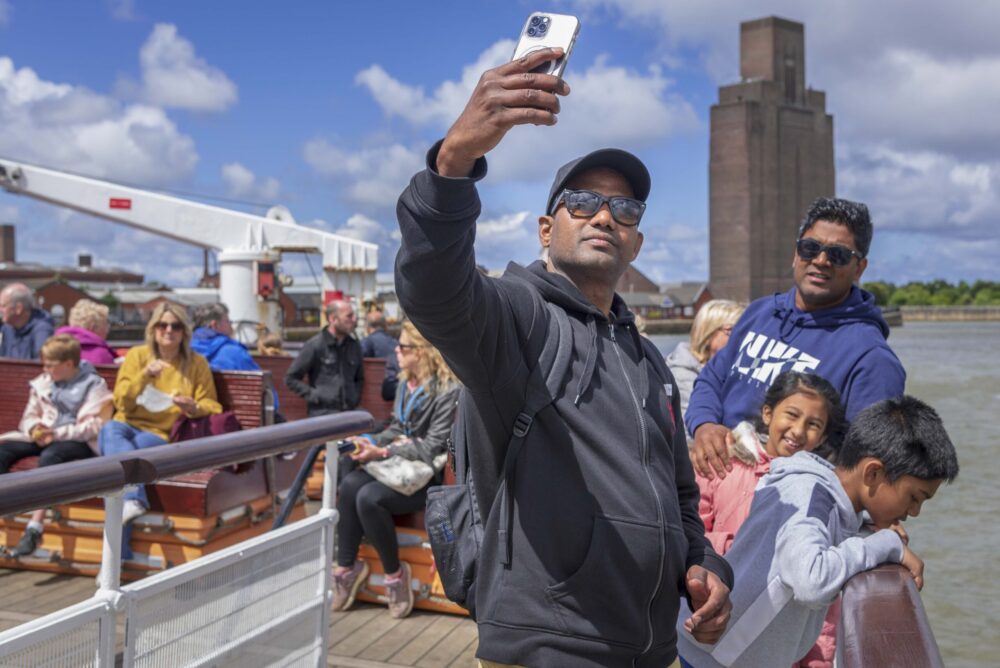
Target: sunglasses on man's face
{"points": [[839, 256], [172, 326], [585, 203]]}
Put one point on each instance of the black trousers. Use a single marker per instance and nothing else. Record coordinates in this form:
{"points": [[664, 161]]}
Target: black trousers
{"points": [[56, 452], [366, 508]]}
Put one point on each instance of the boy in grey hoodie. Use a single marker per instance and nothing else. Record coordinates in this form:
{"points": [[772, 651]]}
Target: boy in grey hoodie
{"points": [[801, 542]]}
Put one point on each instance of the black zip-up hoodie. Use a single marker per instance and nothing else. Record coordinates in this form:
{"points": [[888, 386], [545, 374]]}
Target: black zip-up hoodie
{"points": [[605, 504]]}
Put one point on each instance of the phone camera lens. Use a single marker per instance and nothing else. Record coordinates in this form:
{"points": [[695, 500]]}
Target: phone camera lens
{"points": [[532, 32], [542, 29], [535, 20]]}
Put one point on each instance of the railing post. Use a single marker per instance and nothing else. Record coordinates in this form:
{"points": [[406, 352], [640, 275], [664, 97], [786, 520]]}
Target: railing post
{"points": [[109, 577], [328, 508]]}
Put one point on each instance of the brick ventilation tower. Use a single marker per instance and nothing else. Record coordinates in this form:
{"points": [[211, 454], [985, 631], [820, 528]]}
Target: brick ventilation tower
{"points": [[771, 155]]}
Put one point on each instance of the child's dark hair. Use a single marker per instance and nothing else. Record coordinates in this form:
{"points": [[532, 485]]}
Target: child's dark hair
{"points": [[906, 435], [793, 382]]}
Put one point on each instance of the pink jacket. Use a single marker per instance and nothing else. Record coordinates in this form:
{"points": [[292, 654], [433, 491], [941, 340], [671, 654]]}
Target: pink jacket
{"points": [[724, 506], [41, 410]]}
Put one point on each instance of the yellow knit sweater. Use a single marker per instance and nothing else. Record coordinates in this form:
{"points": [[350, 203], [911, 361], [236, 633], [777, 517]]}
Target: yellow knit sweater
{"points": [[196, 383]]}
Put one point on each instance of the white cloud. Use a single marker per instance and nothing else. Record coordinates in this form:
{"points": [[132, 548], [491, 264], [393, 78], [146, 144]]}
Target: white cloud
{"points": [[241, 182], [174, 76], [512, 227], [924, 192], [673, 252], [71, 127], [363, 228], [441, 108], [595, 114], [373, 176]]}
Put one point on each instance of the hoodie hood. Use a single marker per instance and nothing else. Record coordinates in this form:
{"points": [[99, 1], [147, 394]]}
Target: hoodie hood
{"points": [[859, 307], [207, 341], [681, 357], [38, 316], [69, 395], [561, 291], [814, 466], [84, 336]]}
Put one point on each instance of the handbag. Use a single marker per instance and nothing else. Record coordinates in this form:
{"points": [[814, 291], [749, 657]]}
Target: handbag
{"points": [[406, 476]]}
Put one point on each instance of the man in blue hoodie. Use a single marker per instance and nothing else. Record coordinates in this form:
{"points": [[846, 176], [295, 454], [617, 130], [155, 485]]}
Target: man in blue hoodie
{"points": [[213, 338], [602, 538], [825, 324], [25, 326]]}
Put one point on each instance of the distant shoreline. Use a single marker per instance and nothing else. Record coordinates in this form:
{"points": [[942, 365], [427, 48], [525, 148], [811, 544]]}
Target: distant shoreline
{"points": [[949, 313]]}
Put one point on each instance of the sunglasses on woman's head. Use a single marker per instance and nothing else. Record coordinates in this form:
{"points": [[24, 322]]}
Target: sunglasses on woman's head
{"points": [[839, 256], [172, 326], [625, 210]]}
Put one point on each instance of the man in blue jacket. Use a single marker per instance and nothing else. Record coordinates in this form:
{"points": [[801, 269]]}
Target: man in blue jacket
{"points": [[213, 338], [25, 326], [825, 324], [603, 536]]}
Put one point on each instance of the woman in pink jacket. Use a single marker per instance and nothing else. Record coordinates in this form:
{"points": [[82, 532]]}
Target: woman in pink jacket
{"points": [[801, 413]]}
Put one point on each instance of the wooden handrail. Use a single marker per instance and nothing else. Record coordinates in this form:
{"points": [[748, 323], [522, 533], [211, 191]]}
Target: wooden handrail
{"points": [[72, 481], [883, 622]]}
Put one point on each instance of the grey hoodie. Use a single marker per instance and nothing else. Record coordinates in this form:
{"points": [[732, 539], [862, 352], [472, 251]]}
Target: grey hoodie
{"points": [[791, 557], [685, 367]]}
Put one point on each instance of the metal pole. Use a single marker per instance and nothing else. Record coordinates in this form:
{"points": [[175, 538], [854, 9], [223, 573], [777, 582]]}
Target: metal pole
{"points": [[328, 509], [296, 488], [109, 578]]}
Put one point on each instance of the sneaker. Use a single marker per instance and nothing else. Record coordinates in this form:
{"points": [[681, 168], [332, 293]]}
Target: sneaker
{"points": [[400, 593], [132, 509], [346, 585], [28, 544]]}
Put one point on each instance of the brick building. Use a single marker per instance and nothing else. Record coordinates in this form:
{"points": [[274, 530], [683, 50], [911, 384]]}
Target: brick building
{"points": [[770, 156]]}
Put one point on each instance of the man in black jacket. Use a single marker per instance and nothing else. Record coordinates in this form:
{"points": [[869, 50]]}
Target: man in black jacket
{"points": [[605, 534], [330, 363]]}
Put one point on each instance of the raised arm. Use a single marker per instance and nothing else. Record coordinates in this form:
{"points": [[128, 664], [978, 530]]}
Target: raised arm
{"points": [[466, 316]]}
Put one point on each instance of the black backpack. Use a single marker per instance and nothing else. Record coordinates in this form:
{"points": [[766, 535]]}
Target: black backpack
{"points": [[454, 524]]}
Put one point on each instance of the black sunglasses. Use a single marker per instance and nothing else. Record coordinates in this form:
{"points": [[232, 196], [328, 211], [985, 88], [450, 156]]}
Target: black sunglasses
{"points": [[625, 210], [839, 256], [174, 326]]}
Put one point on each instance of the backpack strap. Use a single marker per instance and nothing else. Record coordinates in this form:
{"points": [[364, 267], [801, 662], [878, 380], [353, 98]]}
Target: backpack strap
{"points": [[544, 384]]}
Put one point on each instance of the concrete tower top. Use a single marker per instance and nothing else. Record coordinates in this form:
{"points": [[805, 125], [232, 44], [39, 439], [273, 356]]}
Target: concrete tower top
{"points": [[773, 49]]}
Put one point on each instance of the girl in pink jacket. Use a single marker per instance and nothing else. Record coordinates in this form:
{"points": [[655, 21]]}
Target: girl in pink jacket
{"points": [[802, 412]]}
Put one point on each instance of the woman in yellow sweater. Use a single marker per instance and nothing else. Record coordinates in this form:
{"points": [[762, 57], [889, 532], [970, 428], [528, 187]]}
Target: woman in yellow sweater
{"points": [[157, 384]]}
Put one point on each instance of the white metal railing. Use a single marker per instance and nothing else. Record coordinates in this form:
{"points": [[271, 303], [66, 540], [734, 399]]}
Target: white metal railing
{"points": [[262, 602]]}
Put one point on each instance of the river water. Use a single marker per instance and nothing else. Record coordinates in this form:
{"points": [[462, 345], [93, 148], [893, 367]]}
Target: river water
{"points": [[955, 367]]}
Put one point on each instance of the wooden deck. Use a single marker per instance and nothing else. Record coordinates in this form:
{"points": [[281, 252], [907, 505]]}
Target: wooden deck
{"points": [[363, 637]]}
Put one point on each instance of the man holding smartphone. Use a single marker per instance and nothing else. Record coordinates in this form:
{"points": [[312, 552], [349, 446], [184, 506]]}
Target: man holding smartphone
{"points": [[604, 536]]}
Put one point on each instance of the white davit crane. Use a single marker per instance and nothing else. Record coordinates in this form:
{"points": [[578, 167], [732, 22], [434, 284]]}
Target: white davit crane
{"points": [[248, 246]]}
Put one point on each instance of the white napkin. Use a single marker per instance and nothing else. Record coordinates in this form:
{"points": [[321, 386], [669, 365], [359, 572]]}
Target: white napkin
{"points": [[154, 400]]}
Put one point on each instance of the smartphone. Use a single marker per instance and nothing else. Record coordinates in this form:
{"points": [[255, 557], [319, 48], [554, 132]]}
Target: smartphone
{"points": [[543, 31]]}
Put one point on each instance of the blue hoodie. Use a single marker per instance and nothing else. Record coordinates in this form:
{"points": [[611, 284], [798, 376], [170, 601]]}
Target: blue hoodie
{"points": [[845, 344], [222, 352], [26, 342]]}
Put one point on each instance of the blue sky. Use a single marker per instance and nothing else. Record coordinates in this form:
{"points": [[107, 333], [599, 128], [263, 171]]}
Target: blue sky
{"points": [[328, 109]]}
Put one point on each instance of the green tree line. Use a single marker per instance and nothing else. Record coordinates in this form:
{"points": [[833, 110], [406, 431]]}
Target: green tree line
{"points": [[935, 293]]}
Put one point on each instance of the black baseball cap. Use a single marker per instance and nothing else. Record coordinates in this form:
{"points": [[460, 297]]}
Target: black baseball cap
{"points": [[621, 161]]}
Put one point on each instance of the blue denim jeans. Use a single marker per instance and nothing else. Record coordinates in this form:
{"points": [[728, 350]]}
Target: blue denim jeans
{"points": [[117, 437]]}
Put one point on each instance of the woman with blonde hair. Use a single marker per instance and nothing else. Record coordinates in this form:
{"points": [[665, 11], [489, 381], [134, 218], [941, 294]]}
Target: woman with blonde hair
{"points": [[709, 334], [157, 384], [88, 324], [400, 463]]}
